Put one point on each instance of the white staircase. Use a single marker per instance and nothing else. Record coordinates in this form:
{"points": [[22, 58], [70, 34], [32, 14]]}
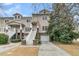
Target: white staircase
{"points": [[31, 36], [10, 33]]}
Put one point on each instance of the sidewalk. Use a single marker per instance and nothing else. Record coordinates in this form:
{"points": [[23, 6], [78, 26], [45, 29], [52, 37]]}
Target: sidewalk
{"points": [[8, 46], [50, 49]]}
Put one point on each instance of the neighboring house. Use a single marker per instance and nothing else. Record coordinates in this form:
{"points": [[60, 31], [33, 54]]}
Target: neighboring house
{"points": [[19, 23]]}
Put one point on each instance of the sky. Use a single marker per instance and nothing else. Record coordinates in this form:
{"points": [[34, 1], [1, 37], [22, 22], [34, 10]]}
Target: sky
{"points": [[26, 9]]}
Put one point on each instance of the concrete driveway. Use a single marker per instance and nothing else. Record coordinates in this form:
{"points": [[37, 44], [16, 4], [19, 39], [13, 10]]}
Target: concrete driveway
{"points": [[50, 49]]}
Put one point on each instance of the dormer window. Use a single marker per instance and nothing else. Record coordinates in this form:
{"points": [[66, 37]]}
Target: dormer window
{"points": [[17, 16], [44, 11]]}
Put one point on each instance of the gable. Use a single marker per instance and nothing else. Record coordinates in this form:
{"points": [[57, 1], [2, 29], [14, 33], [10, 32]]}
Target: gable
{"points": [[13, 22], [44, 11]]}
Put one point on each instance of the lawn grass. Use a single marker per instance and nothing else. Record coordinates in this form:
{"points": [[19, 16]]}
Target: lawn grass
{"points": [[72, 49], [21, 51]]}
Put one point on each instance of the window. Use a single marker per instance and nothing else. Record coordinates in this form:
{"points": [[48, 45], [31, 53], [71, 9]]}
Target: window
{"points": [[44, 28], [17, 17], [6, 20], [27, 29], [44, 17], [28, 20]]}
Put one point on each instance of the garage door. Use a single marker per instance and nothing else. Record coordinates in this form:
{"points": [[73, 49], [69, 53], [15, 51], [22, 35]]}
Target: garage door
{"points": [[44, 39]]}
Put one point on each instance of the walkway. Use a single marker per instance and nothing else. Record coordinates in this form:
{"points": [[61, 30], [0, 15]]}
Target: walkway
{"points": [[8, 46], [46, 49], [50, 49]]}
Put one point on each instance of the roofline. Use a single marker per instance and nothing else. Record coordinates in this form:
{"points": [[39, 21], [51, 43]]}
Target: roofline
{"points": [[28, 16], [40, 14]]}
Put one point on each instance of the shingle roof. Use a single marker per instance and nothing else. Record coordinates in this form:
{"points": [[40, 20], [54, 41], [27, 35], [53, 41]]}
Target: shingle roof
{"points": [[44, 11], [17, 14], [6, 18]]}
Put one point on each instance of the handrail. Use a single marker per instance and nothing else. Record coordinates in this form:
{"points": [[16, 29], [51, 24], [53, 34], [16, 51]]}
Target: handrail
{"points": [[31, 36], [10, 32], [28, 35]]}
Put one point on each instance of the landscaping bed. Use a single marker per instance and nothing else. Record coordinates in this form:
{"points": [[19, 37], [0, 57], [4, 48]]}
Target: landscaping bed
{"points": [[72, 49]]}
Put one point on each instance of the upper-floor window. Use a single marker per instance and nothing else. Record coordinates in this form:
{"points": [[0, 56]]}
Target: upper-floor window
{"points": [[44, 17], [6, 20], [28, 20], [27, 29], [17, 17], [44, 28], [78, 23]]}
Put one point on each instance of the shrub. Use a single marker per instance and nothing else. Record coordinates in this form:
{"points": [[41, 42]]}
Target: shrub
{"points": [[63, 35], [15, 40], [37, 39], [3, 39], [65, 38]]}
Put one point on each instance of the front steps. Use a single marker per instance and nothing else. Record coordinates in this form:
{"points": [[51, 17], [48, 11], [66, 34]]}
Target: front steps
{"points": [[10, 33], [28, 40]]}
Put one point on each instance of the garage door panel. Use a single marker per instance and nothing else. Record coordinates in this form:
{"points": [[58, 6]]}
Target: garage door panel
{"points": [[44, 39]]}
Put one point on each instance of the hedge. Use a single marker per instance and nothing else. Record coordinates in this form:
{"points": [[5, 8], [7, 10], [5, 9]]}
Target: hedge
{"points": [[3, 38]]}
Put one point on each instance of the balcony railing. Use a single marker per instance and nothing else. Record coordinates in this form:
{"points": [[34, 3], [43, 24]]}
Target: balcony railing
{"points": [[2, 30]]}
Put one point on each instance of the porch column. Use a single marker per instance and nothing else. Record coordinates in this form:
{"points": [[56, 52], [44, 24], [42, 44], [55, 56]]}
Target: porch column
{"points": [[6, 32], [38, 35], [21, 31], [31, 26], [16, 33]]}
